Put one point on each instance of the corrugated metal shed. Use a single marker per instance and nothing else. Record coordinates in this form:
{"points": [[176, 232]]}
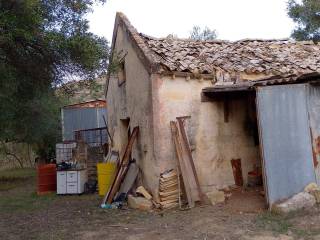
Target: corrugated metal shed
{"points": [[81, 116], [286, 141]]}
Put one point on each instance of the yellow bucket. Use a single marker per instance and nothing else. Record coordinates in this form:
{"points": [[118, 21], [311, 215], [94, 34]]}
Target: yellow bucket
{"points": [[106, 172]]}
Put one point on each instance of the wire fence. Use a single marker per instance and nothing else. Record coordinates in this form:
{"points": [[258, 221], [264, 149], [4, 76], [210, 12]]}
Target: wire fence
{"points": [[95, 137]]}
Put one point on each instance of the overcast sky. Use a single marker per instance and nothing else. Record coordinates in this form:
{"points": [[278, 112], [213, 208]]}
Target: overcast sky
{"points": [[233, 19]]}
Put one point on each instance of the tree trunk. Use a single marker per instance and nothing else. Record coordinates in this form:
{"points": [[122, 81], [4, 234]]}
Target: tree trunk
{"points": [[8, 153]]}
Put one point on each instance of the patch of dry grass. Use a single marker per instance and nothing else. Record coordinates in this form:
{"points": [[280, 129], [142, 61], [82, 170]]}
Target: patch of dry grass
{"points": [[11, 178]]}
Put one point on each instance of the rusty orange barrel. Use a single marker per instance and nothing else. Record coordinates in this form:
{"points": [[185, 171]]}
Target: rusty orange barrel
{"points": [[47, 178]]}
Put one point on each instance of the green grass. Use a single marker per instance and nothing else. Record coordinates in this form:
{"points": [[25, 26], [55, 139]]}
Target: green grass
{"points": [[273, 222], [282, 224], [11, 178], [17, 173], [18, 191], [25, 202]]}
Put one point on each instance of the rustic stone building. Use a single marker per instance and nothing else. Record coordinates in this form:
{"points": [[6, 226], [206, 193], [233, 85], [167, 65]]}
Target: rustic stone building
{"points": [[216, 83]]}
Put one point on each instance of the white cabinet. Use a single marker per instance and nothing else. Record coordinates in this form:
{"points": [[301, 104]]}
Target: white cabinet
{"points": [[71, 182], [61, 182], [72, 176], [72, 188]]}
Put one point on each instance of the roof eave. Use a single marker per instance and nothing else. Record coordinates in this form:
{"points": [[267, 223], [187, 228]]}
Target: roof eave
{"points": [[143, 52]]}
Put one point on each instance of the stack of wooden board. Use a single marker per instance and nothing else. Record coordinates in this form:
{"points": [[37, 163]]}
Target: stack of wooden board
{"points": [[169, 189]]}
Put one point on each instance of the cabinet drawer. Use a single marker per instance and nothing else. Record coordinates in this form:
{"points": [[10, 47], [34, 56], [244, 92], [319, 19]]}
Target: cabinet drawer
{"points": [[61, 175], [72, 188], [72, 176]]}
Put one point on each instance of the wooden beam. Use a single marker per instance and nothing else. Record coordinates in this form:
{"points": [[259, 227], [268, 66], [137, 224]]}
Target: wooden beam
{"points": [[122, 169], [183, 168], [188, 150]]}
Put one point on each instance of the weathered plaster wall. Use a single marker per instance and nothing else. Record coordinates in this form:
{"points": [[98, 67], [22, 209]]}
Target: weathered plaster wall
{"points": [[215, 142], [133, 100]]}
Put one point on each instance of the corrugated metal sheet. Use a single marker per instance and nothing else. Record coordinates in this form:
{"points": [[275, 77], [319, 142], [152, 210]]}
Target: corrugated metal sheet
{"points": [[286, 140], [314, 115], [81, 118]]}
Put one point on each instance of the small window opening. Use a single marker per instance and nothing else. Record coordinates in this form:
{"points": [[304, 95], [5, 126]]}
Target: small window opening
{"points": [[121, 74]]}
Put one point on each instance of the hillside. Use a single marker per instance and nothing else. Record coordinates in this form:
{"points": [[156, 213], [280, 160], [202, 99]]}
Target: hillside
{"points": [[82, 91]]}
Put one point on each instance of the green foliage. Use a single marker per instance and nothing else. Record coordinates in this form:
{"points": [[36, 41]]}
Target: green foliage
{"points": [[306, 14], [274, 222], [42, 44], [202, 35]]}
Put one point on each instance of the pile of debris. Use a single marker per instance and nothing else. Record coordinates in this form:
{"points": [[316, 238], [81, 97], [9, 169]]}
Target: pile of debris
{"points": [[143, 200], [122, 184], [303, 200], [170, 186]]}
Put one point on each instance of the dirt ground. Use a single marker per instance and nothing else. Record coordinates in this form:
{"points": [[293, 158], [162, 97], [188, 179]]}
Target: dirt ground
{"points": [[24, 215]]}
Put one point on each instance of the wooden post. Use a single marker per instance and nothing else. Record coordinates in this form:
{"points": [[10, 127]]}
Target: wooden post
{"points": [[123, 168], [187, 146], [175, 135]]}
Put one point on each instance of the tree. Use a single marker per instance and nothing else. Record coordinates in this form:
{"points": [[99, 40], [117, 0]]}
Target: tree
{"points": [[306, 15], [43, 43], [202, 35]]}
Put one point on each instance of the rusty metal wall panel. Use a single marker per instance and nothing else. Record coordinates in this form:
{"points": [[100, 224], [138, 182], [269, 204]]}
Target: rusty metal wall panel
{"points": [[81, 118], [286, 141], [314, 115]]}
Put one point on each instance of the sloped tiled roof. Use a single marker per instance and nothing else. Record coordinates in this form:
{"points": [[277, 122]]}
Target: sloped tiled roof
{"points": [[275, 57], [226, 60]]}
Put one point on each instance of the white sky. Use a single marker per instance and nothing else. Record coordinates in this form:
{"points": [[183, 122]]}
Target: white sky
{"points": [[233, 19]]}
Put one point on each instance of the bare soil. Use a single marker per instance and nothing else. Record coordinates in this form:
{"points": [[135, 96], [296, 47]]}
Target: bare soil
{"points": [[24, 215]]}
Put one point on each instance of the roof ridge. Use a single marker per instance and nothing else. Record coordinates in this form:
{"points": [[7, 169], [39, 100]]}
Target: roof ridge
{"points": [[182, 39], [285, 40], [148, 56]]}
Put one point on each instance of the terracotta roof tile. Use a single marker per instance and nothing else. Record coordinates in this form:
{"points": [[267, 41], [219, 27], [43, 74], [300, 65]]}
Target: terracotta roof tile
{"points": [[265, 57], [226, 61]]}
